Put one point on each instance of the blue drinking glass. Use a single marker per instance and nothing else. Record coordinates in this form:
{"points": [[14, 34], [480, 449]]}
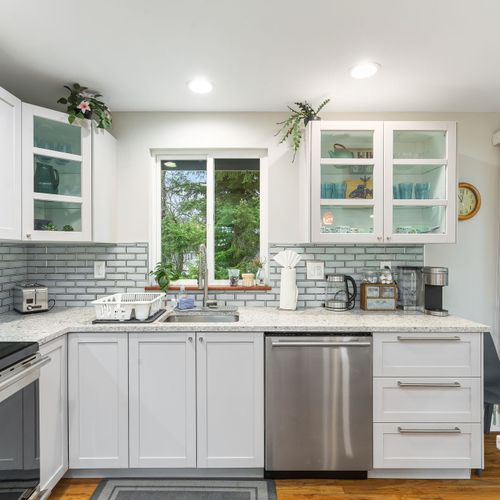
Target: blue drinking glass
{"points": [[422, 190], [395, 192], [406, 190], [338, 189]]}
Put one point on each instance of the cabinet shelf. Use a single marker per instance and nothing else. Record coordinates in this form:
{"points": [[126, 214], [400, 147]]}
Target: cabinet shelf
{"points": [[348, 202], [420, 203], [56, 154]]}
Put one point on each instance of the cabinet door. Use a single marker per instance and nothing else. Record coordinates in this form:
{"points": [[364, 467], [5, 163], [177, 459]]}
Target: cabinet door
{"points": [[104, 175], [230, 384], [347, 198], [10, 166], [162, 400], [56, 176], [98, 400], [53, 414], [420, 182]]}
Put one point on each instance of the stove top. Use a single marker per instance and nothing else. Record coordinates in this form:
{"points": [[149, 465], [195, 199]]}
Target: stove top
{"points": [[13, 352]]}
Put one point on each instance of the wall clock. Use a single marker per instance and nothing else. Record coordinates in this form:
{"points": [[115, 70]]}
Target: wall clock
{"points": [[469, 201]]}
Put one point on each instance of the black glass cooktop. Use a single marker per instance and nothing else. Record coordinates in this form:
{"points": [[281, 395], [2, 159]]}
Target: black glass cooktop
{"points": [[13, 352]]}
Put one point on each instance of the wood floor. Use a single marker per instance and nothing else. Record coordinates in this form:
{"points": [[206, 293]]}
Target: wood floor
{"points": [[486, 487]]}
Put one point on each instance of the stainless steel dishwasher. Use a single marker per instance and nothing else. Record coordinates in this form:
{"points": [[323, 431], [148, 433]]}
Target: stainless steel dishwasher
{"points": [[318, 405]]}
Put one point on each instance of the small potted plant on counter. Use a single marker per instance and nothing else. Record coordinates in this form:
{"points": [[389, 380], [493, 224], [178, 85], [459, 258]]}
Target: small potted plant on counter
{"points": [[162, 274], [291, 128]]}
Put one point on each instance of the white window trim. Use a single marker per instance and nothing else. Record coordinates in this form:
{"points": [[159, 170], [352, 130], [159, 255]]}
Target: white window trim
{"points": [[209, 155]]}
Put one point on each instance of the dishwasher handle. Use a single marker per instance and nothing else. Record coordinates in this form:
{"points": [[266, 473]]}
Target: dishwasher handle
{"points": [[291, 343]]}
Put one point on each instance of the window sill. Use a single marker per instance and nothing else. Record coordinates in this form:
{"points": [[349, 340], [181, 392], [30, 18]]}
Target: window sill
{"points": [[223, 288]]}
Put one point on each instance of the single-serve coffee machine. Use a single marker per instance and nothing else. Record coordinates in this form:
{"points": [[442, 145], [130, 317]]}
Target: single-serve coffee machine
{"points": [[421, 289], [434, 279]]}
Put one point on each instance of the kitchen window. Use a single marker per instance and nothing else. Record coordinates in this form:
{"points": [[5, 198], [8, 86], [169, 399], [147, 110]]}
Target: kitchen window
{"points": [[218, 201]]}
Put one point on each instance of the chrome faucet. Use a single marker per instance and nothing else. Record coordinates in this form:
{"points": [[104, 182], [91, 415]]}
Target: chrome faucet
{"points": [[203, 273]]}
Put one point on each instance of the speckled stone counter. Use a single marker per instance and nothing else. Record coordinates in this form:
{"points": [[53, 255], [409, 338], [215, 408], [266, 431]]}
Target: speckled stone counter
{"points": [[43, 327]]}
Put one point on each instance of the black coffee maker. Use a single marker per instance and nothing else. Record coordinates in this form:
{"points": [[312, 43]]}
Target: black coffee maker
{"points": [[434, 279]]}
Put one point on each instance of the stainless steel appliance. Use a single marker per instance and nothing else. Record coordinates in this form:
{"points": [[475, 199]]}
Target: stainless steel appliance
{"points": [[339, 297], [318, 411], [31, 297], [20, 364], [410, 288], [435, 278]]}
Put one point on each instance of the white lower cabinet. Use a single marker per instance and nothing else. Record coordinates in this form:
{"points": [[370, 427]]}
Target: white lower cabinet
{"points": [[427, 401], [53, 414], [162, 400], [230, 396], [427, 446], [98, 400]]}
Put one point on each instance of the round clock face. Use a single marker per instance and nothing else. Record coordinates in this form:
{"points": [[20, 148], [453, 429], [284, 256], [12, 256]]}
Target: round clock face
{"points": [[469, 201]]}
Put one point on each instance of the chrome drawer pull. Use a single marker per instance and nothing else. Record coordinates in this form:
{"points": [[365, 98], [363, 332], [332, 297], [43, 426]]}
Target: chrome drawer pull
{"points": [[410, 339], [320, 344], [454, 430], [429, 384]]}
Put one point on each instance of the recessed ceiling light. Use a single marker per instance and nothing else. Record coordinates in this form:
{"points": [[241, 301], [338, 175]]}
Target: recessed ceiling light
{"points": [[200, 85], [364, 70]]}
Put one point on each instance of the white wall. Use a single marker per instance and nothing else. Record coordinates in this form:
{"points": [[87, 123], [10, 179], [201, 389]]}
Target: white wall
{"points": [[472, 261]]}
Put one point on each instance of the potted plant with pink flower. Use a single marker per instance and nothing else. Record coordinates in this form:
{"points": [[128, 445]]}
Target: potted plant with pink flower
{"points": [[85, 103]]}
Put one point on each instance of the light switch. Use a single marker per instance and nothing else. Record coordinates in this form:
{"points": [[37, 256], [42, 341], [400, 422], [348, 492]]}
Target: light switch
{"points": [[315, 270], [99, 269]]}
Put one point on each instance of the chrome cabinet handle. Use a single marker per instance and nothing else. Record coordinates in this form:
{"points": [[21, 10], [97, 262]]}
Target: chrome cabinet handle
{"points": [[379, 238], [201, 339], [190, 339], [429, 384], [453, 430], [411, 338], [320, 344], [388, 238]]}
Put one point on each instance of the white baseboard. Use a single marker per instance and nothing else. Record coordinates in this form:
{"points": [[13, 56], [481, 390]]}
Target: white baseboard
{"points": [[166, 473], [419, 474]]}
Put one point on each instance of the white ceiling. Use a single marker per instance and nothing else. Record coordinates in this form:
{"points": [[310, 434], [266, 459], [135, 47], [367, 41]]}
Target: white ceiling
{"points": [[436, 55]]}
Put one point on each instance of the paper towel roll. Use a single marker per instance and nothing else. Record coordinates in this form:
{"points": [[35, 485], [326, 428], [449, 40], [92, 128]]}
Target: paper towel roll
{"points": [[288, 289]]}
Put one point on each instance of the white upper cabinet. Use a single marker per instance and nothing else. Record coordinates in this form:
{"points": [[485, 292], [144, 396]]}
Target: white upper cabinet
{"points": [[347, 182], [10, 166], [420, 182], [380, 182], [56, 176]]}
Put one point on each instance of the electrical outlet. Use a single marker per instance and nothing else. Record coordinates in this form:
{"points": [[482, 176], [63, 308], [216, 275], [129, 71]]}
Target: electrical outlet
{"points": [[315, 270], [385, 264], [100, 270]]}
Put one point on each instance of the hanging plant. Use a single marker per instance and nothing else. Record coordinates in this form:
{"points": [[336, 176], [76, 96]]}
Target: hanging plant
{"points": [[291, 128], [84, 103]]}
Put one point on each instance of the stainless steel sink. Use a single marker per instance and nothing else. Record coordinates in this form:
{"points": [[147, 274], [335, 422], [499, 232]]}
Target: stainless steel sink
{"points": [[220, 315]]}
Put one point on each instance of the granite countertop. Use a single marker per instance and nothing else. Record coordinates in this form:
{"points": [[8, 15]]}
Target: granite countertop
{"points": [[43, 327]]}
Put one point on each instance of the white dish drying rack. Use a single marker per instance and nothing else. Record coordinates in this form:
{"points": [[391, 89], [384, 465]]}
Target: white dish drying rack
{"points": [[124, 306]]}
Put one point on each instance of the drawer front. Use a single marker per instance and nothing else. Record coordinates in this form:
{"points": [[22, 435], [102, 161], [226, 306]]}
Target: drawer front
{"points": [[427, 355], [427, 399], [425, 446]]}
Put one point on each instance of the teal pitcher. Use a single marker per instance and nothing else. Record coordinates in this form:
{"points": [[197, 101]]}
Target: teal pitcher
{"points": [[46, 179]]}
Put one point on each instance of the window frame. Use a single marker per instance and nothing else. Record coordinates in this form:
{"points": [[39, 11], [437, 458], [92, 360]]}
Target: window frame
{"points": [[209, 156]]}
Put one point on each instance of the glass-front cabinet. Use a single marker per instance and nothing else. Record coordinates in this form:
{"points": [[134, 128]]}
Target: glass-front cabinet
{"points": [[347, 182], [56, 176], [382, 182], [420, 182]]}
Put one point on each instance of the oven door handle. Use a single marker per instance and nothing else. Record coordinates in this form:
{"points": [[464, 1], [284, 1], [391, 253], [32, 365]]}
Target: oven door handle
{"points": [[29, 368], [320, 344]]}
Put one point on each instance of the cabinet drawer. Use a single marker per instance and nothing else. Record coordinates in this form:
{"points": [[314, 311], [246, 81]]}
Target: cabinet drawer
{"points": [[425, 446], [427, 399], [427, 355]]}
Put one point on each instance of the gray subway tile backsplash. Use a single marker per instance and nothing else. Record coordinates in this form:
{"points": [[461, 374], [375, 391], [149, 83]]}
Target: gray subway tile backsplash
{"points": [[68, 270]]}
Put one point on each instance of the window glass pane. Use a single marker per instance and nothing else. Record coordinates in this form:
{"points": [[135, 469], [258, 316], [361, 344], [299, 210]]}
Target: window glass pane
{"points": [[237, 221], [419, 220], [57, 136], [55, 176], [184, 214], [57, 216], [347, 182], [346, 220], [346, 144], [419, 144]]}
